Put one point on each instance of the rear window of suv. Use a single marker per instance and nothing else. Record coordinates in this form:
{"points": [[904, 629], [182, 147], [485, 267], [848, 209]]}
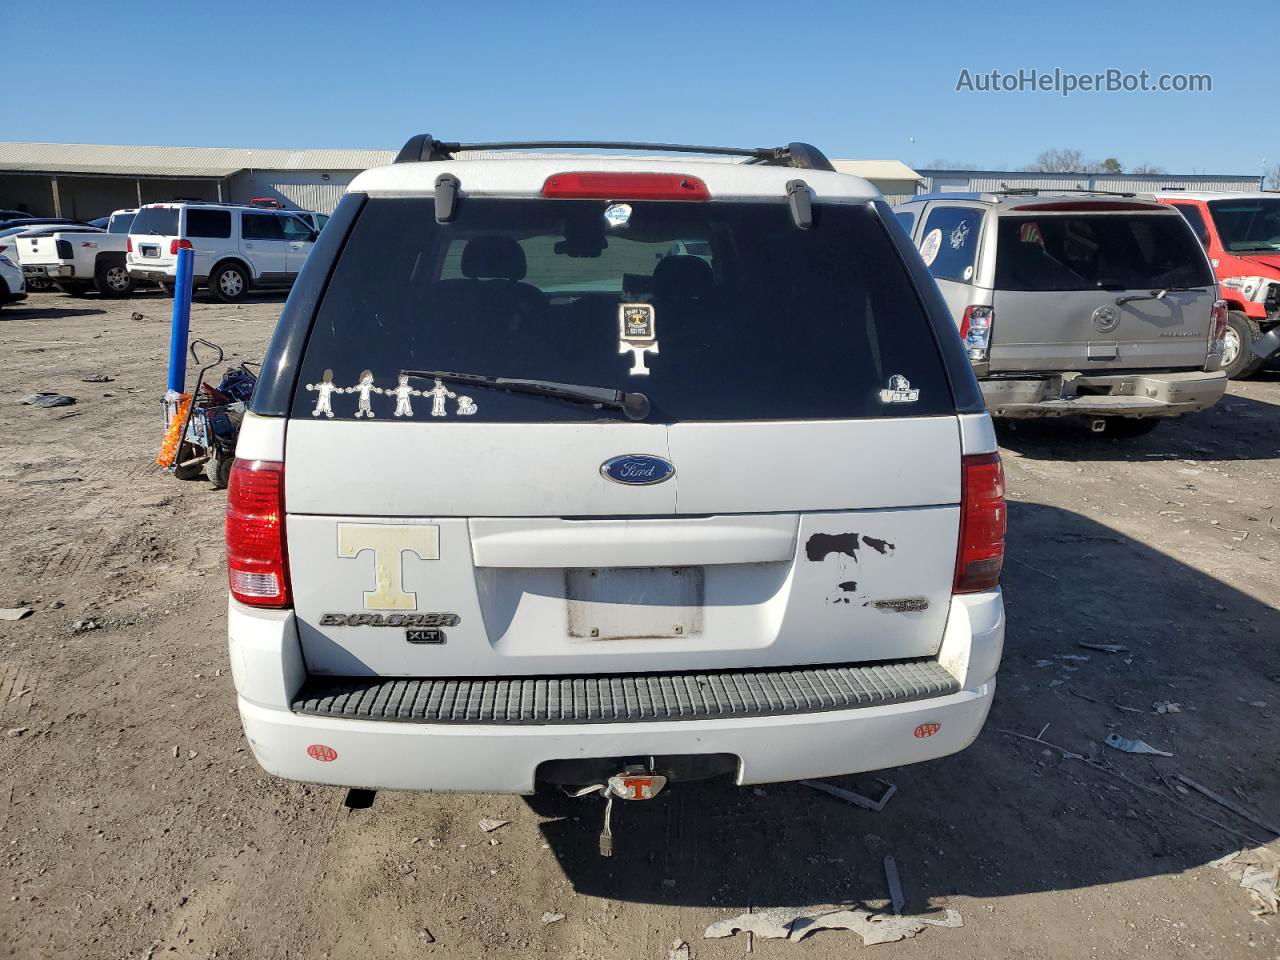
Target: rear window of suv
{"points": [[753, 318], [1106, 251], [162, 221]]}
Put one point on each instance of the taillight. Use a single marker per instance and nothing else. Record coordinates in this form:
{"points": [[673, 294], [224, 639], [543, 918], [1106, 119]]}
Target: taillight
{"points": [[982, 524], [625, 186], [975, 331], [179, 243], [1218, 326], [257, 567], [128, 245], [62, 249]]}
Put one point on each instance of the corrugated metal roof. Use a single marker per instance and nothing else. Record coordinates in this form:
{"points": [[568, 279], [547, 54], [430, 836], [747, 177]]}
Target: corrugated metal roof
{"points": [[876, 169], [91, 158]]}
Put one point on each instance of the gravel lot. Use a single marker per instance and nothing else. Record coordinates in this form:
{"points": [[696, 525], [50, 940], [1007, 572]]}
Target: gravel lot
{"points": [[134, 823]]}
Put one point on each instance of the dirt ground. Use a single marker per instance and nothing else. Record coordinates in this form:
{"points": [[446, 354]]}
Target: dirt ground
{"points": [[134, 823]]}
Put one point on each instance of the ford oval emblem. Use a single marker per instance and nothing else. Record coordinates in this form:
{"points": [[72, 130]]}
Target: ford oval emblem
{"points": [[637, 469]]}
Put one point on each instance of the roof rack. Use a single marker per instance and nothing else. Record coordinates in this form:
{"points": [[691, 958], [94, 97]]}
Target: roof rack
{"points": [[1036, 191], [424, 147]]}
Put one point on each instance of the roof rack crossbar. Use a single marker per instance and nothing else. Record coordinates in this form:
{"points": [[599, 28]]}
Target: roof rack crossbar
{"points": [[424, 147]]}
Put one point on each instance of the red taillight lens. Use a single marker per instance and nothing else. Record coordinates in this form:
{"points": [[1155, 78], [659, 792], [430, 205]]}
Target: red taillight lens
{"points": [[975, 331], [179, 243], [128, 245], [257, 567], [1219, 320], [625, 186], [982, 524]]}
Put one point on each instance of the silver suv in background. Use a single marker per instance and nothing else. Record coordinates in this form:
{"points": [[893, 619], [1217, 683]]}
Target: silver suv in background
{"points": [[1097, 305]]}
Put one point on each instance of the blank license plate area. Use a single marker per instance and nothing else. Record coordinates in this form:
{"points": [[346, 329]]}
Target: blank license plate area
{"points": [[150, 251], [617, 603]]}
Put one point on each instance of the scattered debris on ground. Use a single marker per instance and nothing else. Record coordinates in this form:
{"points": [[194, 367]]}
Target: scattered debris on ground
{"points": [[679, 951], [1166, 706], [875, 804], [549, 918], [96, 378], [1117, 742], [796, 923], [1104, 647], [15, 613], [1258, 871], [488, 825], [45, 399]]}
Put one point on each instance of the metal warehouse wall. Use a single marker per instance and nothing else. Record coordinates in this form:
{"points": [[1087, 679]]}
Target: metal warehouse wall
{"points": [[87, 197], [305, 189], [978, 181]]}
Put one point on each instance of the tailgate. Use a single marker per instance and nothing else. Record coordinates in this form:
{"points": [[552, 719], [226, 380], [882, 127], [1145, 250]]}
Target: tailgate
{"points": [[1088, 331], [581, 574], [37, 250]]}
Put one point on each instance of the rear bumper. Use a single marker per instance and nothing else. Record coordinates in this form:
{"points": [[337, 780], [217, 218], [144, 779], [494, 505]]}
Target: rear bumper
{"points": [[1115, 395], [158, 274], [267, 666], [52, 271]]}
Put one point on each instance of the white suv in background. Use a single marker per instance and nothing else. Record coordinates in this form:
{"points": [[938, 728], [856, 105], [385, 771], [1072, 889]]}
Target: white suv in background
{"points": [[482, 533], [12, 285], [236, 247]]}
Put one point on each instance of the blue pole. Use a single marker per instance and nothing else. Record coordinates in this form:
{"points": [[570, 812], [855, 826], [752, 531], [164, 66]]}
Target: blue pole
{"points": [[181, 323]]}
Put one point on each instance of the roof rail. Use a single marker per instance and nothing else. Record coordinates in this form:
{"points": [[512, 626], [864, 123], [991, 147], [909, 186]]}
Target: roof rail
{"points": [[1036, 191], [424, 148]]}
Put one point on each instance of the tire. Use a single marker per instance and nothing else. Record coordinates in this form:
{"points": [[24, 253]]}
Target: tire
{"points": [[38, 285], [1237, 344], [112, 279], [218, 471], [1125, 428], [229, 282]]}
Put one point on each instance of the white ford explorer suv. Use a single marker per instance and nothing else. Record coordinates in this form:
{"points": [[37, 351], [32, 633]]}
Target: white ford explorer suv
{"points": [[523, 497]]}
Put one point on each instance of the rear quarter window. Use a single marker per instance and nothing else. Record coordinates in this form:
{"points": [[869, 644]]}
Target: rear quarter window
{"points": [[949, 242], [208, 223], [754, 318]]}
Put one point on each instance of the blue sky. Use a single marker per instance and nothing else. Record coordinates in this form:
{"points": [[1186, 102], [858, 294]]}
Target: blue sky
{"points": [[858, 82]]}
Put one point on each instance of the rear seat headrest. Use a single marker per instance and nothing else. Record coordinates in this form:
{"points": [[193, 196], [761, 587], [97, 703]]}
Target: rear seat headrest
{"points": [[493, 258], [683, 276]]}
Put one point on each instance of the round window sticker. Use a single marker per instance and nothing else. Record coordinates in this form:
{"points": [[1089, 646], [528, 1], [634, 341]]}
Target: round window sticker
{"points": [[968, 273], [930, 246]]}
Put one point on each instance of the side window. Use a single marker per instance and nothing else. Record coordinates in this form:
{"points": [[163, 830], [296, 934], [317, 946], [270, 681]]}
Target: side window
{"points": [[208, 223], [261, 226], [321, 220], [1194, 217], [950, 242], [295, 229], [908, 220]]}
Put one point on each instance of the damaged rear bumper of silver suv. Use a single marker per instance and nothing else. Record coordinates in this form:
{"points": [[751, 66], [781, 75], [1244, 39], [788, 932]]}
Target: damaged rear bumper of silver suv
{"points": [[1110, 395]]}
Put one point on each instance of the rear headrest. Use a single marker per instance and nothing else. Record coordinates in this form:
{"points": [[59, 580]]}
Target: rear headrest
{"points": [[490, 258], [682, 276]]}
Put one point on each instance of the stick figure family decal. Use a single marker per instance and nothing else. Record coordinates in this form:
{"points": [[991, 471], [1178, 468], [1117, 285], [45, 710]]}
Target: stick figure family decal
{"points": [[402, 392]]}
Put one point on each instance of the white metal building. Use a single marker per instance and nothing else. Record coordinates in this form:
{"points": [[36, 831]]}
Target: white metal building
{"points": [[84, 180], [980, 181]]}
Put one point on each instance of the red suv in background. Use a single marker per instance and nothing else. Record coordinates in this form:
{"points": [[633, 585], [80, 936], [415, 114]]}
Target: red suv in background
{"points": [[1241, 232]]}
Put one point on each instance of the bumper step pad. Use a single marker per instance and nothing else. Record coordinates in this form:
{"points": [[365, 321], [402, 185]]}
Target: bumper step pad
{"points": [[630, 698]]}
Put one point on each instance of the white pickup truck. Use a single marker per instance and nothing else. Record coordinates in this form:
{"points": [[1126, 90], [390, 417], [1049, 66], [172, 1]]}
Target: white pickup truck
{"points": [[76, 261]]}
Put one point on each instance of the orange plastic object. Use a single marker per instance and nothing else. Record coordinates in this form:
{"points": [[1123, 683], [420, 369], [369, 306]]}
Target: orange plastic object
{"points": [[169, 447]]}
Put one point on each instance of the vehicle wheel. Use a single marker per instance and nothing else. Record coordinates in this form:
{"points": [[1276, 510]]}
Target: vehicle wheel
{"points": [[73, 288], [218, 471], [38, 285], [229, 282], [1238, 360], [1127, 427], [112, 279]]}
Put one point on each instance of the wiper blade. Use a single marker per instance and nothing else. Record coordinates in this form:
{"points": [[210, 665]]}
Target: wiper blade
{"points": [[1158, 294], [634, 405]]}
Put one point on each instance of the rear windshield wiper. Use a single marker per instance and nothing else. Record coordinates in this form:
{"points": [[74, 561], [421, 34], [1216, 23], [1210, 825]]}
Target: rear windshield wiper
{"points": [[1157, 294], [634, 405]]}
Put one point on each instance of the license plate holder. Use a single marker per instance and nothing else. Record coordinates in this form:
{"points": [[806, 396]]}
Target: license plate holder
{"points": [[149, 250], [631, 603]]}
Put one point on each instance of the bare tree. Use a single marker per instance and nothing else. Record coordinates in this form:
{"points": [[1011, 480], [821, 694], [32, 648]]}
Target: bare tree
{"points": [[952, 165], [1273, 178], [1148, 169], [1060, 161]]}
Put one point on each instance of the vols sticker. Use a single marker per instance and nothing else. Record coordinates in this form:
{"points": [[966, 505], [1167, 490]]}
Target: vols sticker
{"points": [[930, 246], [617, 214], [959, 235], [899, 391], [637, 332]]}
